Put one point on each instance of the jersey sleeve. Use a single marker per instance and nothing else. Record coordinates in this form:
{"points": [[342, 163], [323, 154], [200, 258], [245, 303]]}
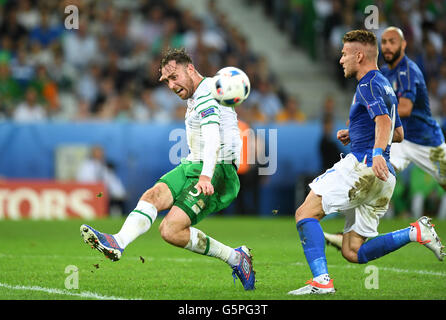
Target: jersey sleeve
{"points": [[372, 99], [208, 110], [407, 86]]}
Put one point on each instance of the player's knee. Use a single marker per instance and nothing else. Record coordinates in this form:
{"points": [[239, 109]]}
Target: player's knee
{"points": [[304, 212], [156, 196], [299, 214], [151, 195], [172, 232], [166, 231], [350, 255]]}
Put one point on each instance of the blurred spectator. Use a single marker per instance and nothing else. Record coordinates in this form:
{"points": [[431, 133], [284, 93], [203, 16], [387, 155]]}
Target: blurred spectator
{"points": [[291, 111], [169, 38], [329, 150], [38, 55], [248, 201], [124, 107], [146, 109], [199, 36], [21, 69], [149, 28], [96, 169], [46, 88], [434, 98], [45, 33], [102, 69], [87, 85], [266, 100], [442, 80], [429, 61], [443, 114], [30, 110], [11, 27], [328, 107], [5, 49], [82, 111], [27, 15], [10, 90], [76, 41]]}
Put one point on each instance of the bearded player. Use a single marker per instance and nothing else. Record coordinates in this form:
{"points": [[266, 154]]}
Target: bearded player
{"points": [[205, 182], [361, 184], [423, 142]]}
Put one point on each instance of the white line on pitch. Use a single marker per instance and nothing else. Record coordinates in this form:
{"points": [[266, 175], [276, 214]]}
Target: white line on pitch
{"points": [[353, 266], [82, 294]]}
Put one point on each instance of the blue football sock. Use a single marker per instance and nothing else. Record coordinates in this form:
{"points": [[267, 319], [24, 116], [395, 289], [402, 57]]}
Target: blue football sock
{"points": [[382, 245], [313, 243]]}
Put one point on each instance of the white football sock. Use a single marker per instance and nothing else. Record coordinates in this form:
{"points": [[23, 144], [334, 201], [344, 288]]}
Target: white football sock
{"points": [[413, 233], [203, 244], [137, 223], [323, 278]]}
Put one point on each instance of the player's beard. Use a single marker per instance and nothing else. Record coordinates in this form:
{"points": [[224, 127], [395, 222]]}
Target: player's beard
{"points": [[395, 56], [349, 73], [189, 87]]}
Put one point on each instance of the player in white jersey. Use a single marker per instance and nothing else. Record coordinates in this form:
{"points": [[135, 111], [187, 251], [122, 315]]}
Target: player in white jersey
{"points": [[205, 182]]}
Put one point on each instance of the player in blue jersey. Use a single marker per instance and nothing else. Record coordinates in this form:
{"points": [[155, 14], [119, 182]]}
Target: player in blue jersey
{"points": [[423, 138], [360, 184], [423, 143]]}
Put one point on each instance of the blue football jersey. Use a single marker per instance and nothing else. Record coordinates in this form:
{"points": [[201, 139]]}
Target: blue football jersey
{"points": [[407, 81], [373, 97]]}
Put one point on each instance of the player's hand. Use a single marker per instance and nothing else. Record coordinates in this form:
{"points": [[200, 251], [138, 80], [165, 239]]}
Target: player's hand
{"points": [[380, 168], [343, 136], [204, 185]]}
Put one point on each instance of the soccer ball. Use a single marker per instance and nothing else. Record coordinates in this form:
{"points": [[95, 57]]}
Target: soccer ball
{"points": [[230, 86]]}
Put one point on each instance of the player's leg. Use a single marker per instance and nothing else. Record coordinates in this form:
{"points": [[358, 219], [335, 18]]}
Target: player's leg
{"points": [[176, 229], [355, 250], [311, 236], [329, 193], [159, 197], [190, 208], [351, 244], [431, 160], [401, 155], [138, 222], [364, 222]]}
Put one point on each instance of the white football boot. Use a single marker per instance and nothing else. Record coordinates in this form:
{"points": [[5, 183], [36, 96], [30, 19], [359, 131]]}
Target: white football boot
{"points": [[314, 287], [427, 236], [334, 239]]}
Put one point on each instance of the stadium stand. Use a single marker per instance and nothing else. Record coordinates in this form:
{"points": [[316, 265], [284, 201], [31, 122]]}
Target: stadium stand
{"points": [[106, 71]]}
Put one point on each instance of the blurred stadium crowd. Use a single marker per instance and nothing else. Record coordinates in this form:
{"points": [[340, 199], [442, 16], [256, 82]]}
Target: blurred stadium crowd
{"points": [[318, 27], [108, 68]]}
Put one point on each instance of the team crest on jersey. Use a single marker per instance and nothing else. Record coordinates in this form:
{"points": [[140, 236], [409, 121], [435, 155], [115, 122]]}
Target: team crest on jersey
{"points": [[389, 90], [207, 112]]}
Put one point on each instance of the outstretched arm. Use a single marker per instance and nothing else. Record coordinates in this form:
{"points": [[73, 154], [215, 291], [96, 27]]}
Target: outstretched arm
{"points": [[382, 134], [211, 134]]}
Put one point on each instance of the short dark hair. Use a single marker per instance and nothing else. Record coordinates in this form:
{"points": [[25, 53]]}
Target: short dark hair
{"points": [[177, 55], [361, 36]]}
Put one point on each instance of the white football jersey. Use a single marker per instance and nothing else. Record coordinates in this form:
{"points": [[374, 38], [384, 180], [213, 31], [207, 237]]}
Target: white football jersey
{"points": [[203, 109]]}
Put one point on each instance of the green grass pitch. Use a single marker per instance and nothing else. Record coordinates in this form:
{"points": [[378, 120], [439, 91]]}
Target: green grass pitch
{"points": [[34, 256]]}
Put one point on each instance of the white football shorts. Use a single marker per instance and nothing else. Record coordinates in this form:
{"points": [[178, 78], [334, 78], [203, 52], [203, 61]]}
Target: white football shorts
{"points": [[432, 160], [350, 187]]}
